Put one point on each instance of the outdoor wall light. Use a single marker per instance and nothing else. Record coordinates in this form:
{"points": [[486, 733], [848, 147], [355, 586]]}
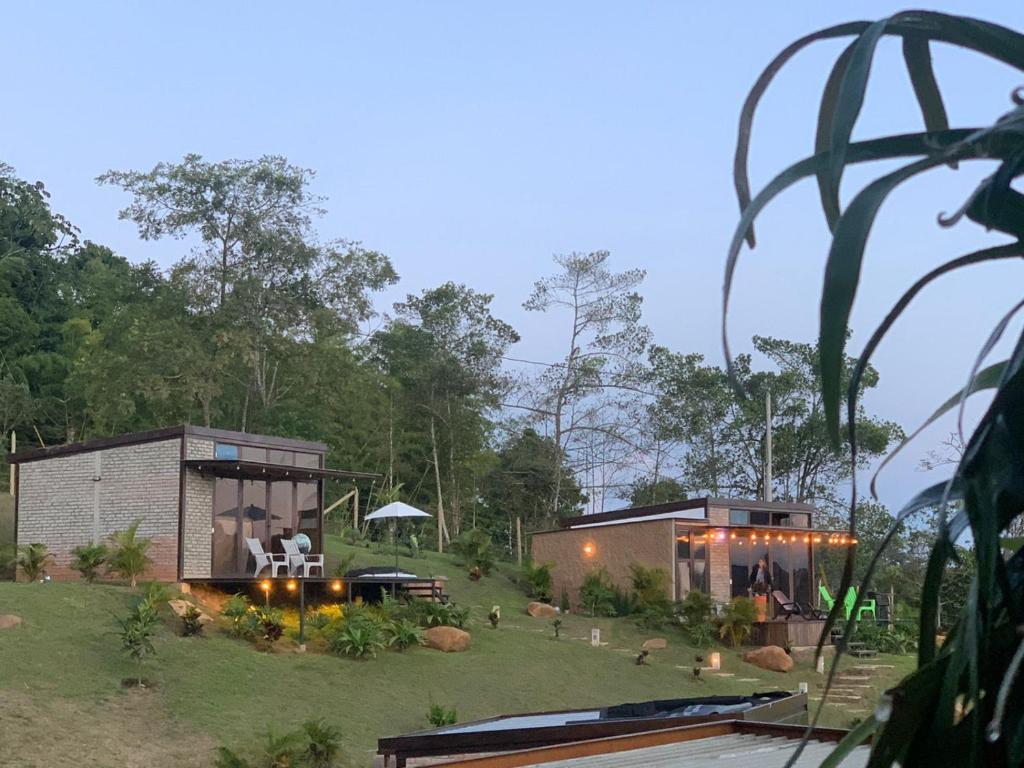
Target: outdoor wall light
{"points": [[589, 549], [291, 585], [336, 586]]}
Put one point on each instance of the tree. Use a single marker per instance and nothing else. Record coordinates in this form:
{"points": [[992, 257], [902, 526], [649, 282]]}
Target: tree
{"points": [[262, 282], [723, 435], [584, 401], [523, 480], [444, 353], [647, 490]]}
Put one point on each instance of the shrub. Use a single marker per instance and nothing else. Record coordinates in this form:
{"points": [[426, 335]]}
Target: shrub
{"points": [[314, 745], [157, 593], [359, 639], [474, 549], [191, 626], [137, 630], [32, 559], [650, 585], [270, 622], [129, 556], [403, 634], [441, 614], [344, 564], [438, 716], [324, 615], [323, 743], [896, 640], [563, 601], [538, 576], [242, 618], [89, 558], [598, 594], [737, 619], [696, 610]]}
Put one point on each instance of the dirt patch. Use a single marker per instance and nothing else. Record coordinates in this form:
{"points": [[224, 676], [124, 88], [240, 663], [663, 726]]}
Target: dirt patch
{"points": [[130, 730]]}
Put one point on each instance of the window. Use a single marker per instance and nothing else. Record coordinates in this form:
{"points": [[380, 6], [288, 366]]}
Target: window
{"points": [[225, 527], [699, 549], [280, 457], [739, 567], [307, 460], [226, 451], [760, 518], [739, 517], [250, 453]]}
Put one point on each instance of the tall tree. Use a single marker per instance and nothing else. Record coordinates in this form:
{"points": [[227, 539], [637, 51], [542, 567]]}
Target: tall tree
{"points": [[584, 401], [445, 350], [723, 435], [261, 279]]}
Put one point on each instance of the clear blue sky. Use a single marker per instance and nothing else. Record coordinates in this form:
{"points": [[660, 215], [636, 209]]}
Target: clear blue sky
{"points": [[470, 141]]}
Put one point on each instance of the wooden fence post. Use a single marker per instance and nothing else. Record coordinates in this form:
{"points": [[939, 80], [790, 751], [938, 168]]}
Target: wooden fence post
{"points": [[519, 541]]}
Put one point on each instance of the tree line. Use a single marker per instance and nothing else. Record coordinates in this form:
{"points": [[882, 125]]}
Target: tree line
{"points": [[260, 326]]}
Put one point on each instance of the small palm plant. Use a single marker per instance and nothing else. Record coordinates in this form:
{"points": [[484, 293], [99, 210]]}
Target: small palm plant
{"points": [[32, 559], [129, 556], [89, 558], [324, 743], [737, 620], [359, 639]]}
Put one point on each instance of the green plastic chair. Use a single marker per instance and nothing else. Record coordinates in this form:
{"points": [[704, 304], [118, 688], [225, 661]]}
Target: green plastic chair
{"points": [[867, 606], [826, 597]]}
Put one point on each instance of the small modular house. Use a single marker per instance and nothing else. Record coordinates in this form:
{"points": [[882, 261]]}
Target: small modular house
{"points": [[706, 544], [198, 494]]}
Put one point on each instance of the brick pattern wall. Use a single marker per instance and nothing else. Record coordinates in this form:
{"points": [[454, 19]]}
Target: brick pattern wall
{"points": [[198, 513], [719, 576], [62, 503], [650, 543]]}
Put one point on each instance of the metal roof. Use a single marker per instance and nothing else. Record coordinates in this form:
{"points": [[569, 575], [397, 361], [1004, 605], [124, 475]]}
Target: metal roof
{"points": [[735, 750]]}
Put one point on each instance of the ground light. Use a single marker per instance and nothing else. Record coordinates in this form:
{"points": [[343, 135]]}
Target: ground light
{"points": [[265, 586]]}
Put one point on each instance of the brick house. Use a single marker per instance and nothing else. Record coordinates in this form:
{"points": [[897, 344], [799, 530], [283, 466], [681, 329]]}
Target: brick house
{"points": [[198, 493], [706, 543]]}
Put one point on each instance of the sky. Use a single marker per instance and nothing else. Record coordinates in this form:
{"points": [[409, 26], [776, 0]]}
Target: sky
{"points": [[472, 141]]}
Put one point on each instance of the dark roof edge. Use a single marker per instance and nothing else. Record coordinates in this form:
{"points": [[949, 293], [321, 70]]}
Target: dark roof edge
{"points": [[156, 435], [684, 504]]}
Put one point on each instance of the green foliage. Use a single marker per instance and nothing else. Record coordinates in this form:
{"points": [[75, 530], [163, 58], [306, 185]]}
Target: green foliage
{"points": [[360, 639], [241, 615], [271, 622], [538, 576], [645, 491], [650, 585], [129, 556], [974, 673], [697, 610], [32, 560], [897, 639], [598, 595], [89, 558], [474, 549], [345, 562], [736, 620], [439, 716], [157, 592], [191, 626], [315, 745], [431, 614], [137, 630], [403, 634]]}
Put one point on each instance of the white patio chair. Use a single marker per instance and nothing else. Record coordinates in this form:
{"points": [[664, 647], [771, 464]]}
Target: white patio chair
{"points": [[298, 561], [276, 562]]}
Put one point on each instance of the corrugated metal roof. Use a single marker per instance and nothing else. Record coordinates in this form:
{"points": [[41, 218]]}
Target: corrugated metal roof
{"points": [[737, 750]]}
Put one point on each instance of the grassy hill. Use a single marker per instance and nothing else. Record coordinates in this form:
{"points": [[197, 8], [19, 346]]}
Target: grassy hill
{"points": [[62, 671]]}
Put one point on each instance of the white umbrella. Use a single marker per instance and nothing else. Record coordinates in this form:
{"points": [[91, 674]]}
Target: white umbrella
{"points": [[393, 511]]}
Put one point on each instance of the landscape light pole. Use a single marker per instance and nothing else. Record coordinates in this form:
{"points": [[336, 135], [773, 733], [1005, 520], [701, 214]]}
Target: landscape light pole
{"points": [[302, 612]]}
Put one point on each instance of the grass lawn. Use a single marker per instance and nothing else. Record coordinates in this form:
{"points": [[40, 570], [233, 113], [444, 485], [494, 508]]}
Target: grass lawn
{"points": [[61, 672]]}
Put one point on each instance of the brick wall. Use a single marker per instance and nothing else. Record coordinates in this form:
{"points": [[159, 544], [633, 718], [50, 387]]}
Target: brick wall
{"points": [[67, 501], [650, 543], [198, 513]]}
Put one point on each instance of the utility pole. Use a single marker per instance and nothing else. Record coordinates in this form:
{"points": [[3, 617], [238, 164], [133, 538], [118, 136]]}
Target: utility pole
{"points": [[14, 447], [768, 446]]}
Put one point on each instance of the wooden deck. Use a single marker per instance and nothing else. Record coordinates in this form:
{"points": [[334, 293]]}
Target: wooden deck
{"points": [[787, 632]]}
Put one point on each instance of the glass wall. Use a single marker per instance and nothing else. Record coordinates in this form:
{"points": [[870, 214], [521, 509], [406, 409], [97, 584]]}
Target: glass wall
{"points": [[691, 561], [268, 511], [739, 567]]}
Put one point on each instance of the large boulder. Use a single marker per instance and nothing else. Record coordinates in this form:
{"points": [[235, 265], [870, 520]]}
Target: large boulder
{"points": [[9, 621], [447, 639], [771, 657], [655, 644], [541, 610]]}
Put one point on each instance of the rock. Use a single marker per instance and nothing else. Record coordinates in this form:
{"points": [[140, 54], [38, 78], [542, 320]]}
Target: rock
{"points": [[804, 654], [447, 639], [9, 621], [655, 644], [771, 657], [181, 606], [541, 610]]}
